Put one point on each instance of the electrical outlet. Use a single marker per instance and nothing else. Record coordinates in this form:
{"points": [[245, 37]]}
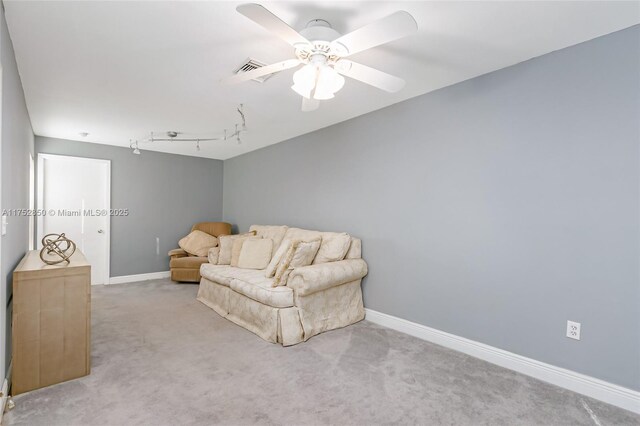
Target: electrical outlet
{"points": [[573, 330], [157, 246]]}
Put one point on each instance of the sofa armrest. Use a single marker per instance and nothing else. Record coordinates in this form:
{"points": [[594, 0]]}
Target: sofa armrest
{"points": [[177, 253], [314, 278]]}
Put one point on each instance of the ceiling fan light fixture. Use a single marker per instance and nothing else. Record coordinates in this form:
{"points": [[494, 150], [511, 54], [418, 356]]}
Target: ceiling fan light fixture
{"points": [[302, 91], [319, 81], [329, 82], [304, 80]]}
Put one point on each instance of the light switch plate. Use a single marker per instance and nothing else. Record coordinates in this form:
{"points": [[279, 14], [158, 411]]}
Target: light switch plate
{"points": [[4, 224]]}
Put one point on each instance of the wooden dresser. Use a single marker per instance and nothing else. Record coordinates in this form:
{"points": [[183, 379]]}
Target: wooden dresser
{"points": [[51, 323]]}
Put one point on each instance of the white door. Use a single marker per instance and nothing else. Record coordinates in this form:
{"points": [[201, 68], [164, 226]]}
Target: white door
{"points": [[74, 197]]}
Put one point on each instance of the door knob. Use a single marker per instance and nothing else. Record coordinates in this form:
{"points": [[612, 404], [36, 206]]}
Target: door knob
{"points": [[100, 231]]}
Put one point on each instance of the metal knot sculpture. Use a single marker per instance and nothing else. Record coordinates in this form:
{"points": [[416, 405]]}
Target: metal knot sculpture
{"points": [[58, 245]]}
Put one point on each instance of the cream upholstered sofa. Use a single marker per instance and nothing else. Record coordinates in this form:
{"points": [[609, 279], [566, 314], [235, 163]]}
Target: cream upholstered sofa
{"points": [[316, 298]]}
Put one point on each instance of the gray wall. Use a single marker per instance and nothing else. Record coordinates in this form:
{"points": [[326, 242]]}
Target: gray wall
{"points": [[495, 209], [17, 144], [165, 194]]}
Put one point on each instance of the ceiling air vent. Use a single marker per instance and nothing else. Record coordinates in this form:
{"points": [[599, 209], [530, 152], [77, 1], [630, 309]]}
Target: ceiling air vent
{"points": [[250, 65]]}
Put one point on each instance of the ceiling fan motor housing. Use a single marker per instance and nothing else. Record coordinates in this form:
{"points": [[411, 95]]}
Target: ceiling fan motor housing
{"points": [[319, 30], [320, 34]]}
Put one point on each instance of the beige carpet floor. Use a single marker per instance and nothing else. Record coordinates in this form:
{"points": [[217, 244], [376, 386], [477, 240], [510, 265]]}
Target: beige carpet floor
{"points": [[162, 358]]}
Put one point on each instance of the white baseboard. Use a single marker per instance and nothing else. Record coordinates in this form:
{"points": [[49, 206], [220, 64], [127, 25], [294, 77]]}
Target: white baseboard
{"points": [[580, 383], [139, 277], [6, 384]]}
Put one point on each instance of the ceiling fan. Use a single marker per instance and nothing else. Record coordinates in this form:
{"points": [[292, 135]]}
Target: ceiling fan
{"points": [[322, 50]]}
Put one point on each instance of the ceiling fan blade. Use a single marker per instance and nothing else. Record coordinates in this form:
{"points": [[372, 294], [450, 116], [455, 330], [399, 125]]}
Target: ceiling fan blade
{"points": [[310, 104], [397, 25], [271, 22], [259, 72], [370, 76]]}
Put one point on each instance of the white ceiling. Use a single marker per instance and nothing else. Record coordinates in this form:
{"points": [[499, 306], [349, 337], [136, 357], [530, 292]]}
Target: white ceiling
{"points": [[119, 70]]}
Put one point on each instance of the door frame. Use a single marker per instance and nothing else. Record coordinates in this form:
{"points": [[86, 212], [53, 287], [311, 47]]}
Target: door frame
{"points": [[40, 201], [4, 302]]}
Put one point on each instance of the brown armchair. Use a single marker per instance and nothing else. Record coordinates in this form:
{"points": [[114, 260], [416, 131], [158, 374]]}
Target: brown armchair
{"points": [[185, 267]]}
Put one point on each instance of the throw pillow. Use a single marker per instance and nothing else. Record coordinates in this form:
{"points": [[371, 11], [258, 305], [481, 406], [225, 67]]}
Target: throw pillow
{"points": [[214, 252], [334, 247], [226, 246], [255, 253], [237, 247], [198, 243], [300, 253], [270, 272]]}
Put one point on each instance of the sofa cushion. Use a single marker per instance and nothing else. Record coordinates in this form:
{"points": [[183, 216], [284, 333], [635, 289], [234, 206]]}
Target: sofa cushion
{"points": [[223, 274], [255, 253], [274, 232], [237, 248], [220, 274], [226, 247], [198, 243], [187, 262], [355, 249], [305, 252], [301, 253], [260, 290], [214, 252], [334, 247], [249, 282], [270, 272], [302, 234]]}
